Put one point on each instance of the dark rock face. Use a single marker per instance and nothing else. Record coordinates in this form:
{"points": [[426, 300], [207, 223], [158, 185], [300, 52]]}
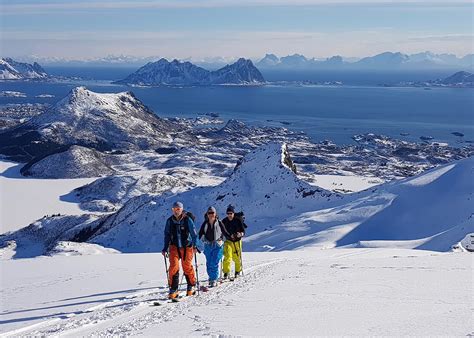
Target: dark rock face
{"points": [[242, 71], [169, 73]]}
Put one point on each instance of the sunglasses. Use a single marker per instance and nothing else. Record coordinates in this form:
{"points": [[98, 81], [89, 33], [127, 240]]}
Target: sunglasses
{"points": [[230, 213], [210, 213]]}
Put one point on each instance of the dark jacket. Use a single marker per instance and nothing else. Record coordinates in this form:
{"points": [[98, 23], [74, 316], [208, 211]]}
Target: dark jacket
{"points": [[180, 233], [232, 228]]}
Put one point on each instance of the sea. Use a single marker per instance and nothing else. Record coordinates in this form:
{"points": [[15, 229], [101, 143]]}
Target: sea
{"points": [[366, 102]]}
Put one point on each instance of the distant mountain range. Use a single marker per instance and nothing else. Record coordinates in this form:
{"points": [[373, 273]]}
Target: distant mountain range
{"points": [[387, 60], [424, 60], [13, 70], [163, 72]]}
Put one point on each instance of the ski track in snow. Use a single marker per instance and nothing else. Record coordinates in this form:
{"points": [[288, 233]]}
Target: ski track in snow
{"points": [[129, 315]]}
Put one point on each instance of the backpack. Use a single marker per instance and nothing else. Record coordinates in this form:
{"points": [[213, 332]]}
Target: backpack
{"points": [[190, 215], [184, 235], [241, 216]]}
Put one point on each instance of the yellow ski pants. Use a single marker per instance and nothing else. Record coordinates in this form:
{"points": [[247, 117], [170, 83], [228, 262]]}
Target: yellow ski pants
{"points": [[232, 252]]}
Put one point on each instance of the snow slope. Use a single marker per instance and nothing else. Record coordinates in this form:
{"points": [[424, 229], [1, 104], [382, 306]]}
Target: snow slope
{"points": [[431, 211], [39, 197], [263, 184], [350, 292]]}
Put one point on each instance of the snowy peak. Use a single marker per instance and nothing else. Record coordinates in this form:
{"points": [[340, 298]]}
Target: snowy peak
{"points": [[104, 122], [13, 70], [272, 158], [82, 103], [176, 72]]}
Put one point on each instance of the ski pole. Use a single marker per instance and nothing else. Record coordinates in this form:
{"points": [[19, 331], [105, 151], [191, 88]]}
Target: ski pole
{"points": [[241, 260], [222, 267], [167, 271], [240, 256], [197, 273]]}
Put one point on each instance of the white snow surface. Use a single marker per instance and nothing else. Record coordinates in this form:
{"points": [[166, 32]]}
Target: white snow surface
{"points": [[350, 292], [337, 264], [431, 211], [24, 200]]}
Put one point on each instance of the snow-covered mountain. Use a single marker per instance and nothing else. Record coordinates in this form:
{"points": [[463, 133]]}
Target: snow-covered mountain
{"points": [[431, 211], [13, 70], [263, 184], [101, 121], [75, 162], [163, 72]]}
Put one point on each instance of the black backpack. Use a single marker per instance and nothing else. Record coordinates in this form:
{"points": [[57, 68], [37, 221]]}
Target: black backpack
{"points": [[240, 215], [190, 215]]}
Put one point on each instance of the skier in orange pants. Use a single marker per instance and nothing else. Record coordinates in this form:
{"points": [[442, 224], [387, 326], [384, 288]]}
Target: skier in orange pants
{"points": [[181, 240]]}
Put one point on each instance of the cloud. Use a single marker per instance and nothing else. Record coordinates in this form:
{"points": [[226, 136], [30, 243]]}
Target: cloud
{"points": [[441, 38], [10, 7]]}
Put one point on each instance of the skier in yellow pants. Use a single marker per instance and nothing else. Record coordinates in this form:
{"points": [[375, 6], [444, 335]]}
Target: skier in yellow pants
{"points": [[232, 252], [234, 231]]}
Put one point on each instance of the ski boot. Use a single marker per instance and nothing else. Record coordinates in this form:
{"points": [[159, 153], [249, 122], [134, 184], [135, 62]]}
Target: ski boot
{"points": [[190, 290], [173, 294]]}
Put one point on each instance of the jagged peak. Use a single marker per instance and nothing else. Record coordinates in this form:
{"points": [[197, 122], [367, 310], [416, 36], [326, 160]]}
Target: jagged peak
{"points": [[234, 124], [81, 92], [271, 155]]}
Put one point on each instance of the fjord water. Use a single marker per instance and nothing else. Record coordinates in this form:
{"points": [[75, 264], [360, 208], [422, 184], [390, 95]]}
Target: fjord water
{"points": [[323, 112]]}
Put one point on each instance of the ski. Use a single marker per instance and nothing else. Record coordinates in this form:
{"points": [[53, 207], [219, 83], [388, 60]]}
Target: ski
{"points": [[167, 301]]}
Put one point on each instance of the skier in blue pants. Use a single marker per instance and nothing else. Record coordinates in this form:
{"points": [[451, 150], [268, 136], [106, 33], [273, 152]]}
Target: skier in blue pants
{"points": [[212, 237]]}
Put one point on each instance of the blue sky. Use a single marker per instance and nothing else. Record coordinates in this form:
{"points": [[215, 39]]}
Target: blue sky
{"points": [[229, 28]]}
